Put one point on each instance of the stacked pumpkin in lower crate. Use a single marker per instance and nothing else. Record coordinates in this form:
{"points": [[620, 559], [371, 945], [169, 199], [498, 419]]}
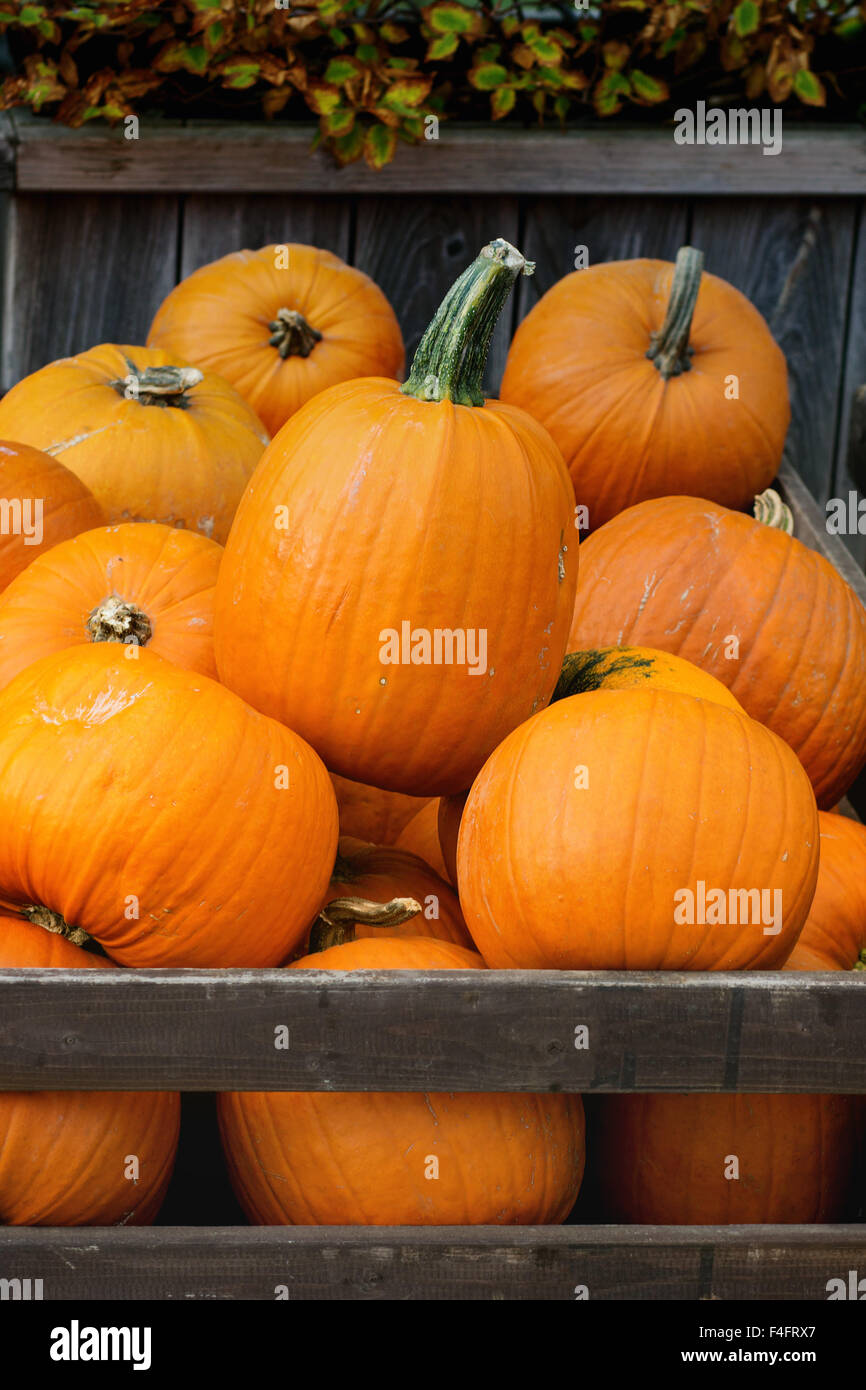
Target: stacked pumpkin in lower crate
{"points": [[398, 603]]}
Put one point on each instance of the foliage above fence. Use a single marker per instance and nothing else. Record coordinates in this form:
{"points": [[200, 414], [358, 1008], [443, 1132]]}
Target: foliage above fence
{"points": [[372, 71]]}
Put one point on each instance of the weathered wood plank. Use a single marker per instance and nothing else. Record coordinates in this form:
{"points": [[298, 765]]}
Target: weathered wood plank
{"points": [[850, 472], [214, 224], [415, 248], [810, 526], [435, 1263], [81, 271], [441, 1031], [276, 158], [793, 260], [7, 151]]}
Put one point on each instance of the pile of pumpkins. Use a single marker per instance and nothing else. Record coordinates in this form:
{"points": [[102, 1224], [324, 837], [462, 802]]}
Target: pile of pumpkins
{"points": [[297, 668]]}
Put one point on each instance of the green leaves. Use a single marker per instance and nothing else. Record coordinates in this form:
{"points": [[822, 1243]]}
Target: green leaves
{"points": [[486, 76], [809, 88], [746, 18]]}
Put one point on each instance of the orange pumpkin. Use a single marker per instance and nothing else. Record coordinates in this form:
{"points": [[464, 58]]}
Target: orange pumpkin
{"points": [[367, 813], [671, 1159], [41, 504], [747, 602], [280, 324], [448, 825], [153, 438], [380, 873], [421, 837], [65, 1155], [362, 1159], [357, 603], [638, 830], [653, 379], [635, 668], [151, 808], [148, 585], [834, 937]]}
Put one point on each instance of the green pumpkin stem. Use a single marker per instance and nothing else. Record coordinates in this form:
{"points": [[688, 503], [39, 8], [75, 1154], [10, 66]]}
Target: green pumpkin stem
{"points": [[770, 510], [291, 335], [451, 357], [860, 962], [335, 924], [669, 349]]}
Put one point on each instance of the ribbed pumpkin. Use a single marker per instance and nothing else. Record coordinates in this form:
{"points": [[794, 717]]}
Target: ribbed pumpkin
{"points": [[591, 824], [380, 873], [367, 813], [636, 668], [151, 808], [280, 324], [662, 1159], [144, 584], [834, 937], [653, 380], [153, 438], [42, 504], [64, 1154], [355, 1158], [748, 603], [421, 837], [385, 528]]}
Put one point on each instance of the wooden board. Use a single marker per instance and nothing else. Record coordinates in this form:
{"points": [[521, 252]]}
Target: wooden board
{"points": [[214, 224], [554, 1263], [793, 261], [275, 158], [850, 471], [810, 526], [503, 1030], [82, 270]]}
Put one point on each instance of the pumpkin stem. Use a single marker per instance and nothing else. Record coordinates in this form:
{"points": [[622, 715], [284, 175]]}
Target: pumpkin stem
{"points": [[450, 360], [860, 962], [53, 921], [770, 510], [114, 620], [291, 335], [335, 924], [165, 386], [669, 348]]}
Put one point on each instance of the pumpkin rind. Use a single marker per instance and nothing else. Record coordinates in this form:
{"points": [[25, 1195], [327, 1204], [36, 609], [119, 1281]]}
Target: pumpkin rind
{"points": [[834, 937], [184, 461], [373, 815], [67, 506], [561, 869], [421, 837], [580, 363], [633, 668], [150, 807], [164, 576], [742, 601], [360, 1158], [224, 317]]}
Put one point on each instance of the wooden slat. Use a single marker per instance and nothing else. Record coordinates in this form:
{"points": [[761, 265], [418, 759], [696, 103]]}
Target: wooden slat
{"points": [[276, 158], [415, 248], [811, 528], [7, 151], [441, 1031], [214, 224], [850, 472], [793, 260], [82, 270], [434, 1263]]}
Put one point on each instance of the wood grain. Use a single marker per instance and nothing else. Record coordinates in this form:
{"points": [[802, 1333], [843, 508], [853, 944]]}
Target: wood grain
{"points": [[82, 270], [214, 224], [792, 259], [850, 470], [276, 158], [440, 1031], [347, 1264]]}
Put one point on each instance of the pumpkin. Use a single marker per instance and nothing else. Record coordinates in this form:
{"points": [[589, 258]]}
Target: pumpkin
{"points": [[41, 504], [280, 324], [449, 817], [653, 379], [638, 830], [362, 598], [381, 873], [154, 438], [421, 837], [834, 937], [632, 668], [368, 813], [65, 1155], [148, 585], [671, 1159], [750, 604], [150, 808], [402, 1159]]}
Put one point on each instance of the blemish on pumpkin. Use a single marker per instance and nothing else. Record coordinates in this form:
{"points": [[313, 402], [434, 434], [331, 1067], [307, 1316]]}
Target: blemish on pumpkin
{"points": [[205, 525]]}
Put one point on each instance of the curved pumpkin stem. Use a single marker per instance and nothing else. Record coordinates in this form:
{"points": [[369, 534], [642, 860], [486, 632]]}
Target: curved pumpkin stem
{"points": [[450, 360], [291, 335], [669, 349], [770, 510], [117, 621], [165, 386], [335, 924], [53, 922]]}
